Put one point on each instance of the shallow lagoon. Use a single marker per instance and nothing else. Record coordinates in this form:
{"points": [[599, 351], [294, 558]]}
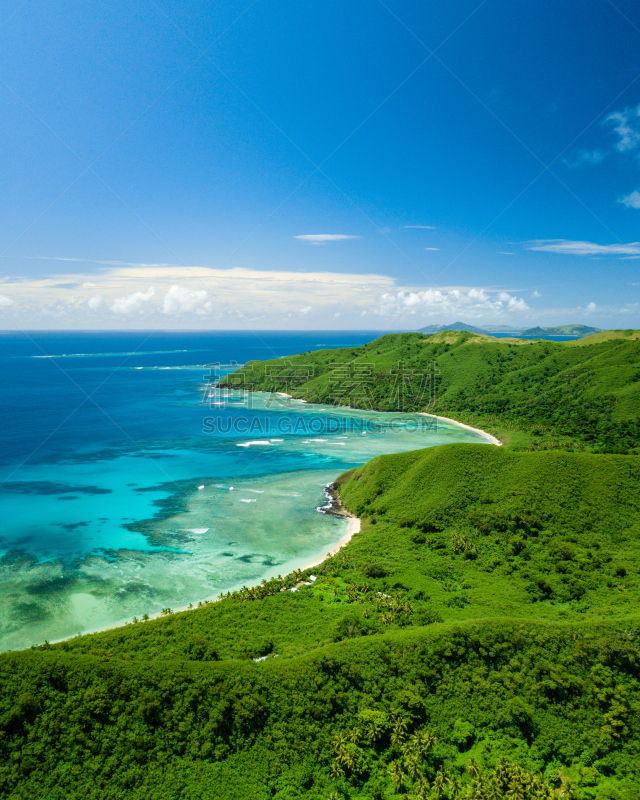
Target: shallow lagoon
{"points": [[143, 496]]}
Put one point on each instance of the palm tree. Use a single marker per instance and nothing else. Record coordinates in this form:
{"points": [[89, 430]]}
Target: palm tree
{"points": [[491, 791], [348, 758], [473, 769], [397, 775], [399, 731], [412, 766], [425, 741], [421, 788], [339, 742]]}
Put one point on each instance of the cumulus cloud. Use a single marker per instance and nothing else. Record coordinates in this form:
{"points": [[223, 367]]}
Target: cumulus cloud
{"points": [[5, 301], [260, 298], [95, 302], [179, 299], [631, 200], [133, 303], [568, 247], [323, 238], [626, 124], [512, 303], [473, 302], [536, 294], [591, 307]]}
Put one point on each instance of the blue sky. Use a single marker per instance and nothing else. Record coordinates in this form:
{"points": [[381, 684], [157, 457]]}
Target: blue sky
{"points": [[273, 164]]}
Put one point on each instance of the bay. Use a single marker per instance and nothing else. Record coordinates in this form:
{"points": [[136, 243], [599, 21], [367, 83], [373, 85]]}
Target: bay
{"points": [[126, 488]]}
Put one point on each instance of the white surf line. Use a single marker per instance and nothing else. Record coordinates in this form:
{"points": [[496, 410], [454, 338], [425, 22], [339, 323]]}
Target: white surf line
{"points": [[488, 436]]}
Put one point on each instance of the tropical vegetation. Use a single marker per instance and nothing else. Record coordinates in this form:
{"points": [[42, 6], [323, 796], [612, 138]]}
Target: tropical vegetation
{"points": [[478, 638]]}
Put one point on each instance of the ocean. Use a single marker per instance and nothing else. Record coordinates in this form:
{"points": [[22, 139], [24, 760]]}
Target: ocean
{"points": [[127, 487]]}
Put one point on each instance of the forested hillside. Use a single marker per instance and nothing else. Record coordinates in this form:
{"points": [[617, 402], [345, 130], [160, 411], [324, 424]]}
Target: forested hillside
{"points": [[478, 638], [534, 394]]}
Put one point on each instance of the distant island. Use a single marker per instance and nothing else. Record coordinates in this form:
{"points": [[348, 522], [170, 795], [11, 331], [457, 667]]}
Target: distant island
{"points": [[558, 330], [462, 327], [562, 330]]}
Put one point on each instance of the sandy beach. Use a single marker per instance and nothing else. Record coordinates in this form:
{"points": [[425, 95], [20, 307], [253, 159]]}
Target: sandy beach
{"points": [[491, 438], [354, 527]]}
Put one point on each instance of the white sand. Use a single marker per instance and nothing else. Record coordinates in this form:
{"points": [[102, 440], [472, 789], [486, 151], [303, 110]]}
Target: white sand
{"points": [[354, 527], [491, 438]]}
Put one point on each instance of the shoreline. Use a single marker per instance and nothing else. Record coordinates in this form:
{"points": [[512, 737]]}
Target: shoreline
{"points": [[353, 527], [488, 436]]}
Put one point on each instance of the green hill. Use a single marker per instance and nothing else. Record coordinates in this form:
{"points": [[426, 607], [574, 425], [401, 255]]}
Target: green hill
{"points": [[485, 616], [532, 394], [562, 330]]}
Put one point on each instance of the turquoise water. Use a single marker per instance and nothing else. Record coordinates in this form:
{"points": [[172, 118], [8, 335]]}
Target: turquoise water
{"points": [[125, 488]]}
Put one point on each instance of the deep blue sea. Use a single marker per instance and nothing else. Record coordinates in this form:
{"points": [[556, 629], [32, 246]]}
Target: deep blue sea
{"points": [[119, 497]]}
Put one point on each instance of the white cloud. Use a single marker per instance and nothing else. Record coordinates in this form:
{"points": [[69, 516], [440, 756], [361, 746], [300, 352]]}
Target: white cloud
{"points": [[472, 302], [535, 294], [627, 125], [323, 238], [305, 310], [95, 302], [213, 298], [5, 301], [271, 299], [421, 227], [517, 304], [568, 247], [431, 248], [132, 303], [591, 307], [586, 157], [513, 303], [179, 299], [505, 253], [631, 200]]}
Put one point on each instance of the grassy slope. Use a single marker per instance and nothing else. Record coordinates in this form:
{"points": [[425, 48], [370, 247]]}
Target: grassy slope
{"points": [[534, 394]]}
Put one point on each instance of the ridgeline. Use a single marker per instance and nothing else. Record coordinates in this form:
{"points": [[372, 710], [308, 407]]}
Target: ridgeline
{"points": [[583, 394], [479, 638]]}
